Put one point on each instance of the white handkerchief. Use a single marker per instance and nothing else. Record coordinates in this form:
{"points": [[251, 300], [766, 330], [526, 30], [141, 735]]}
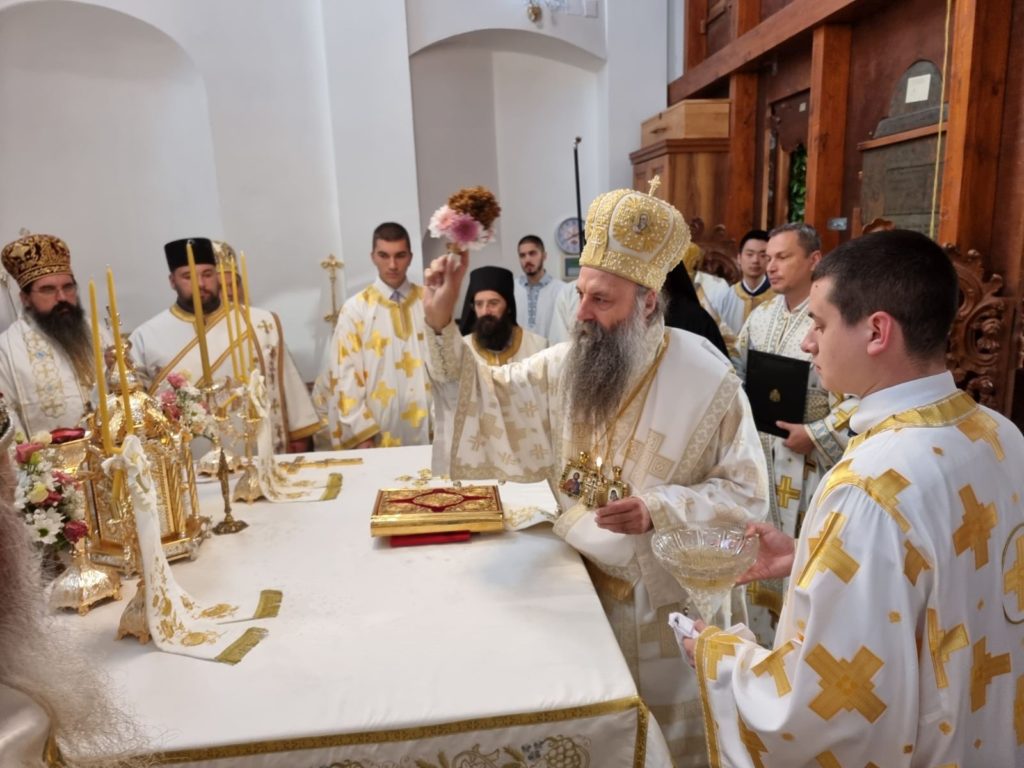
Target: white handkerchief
{"points": [[682, 626]]}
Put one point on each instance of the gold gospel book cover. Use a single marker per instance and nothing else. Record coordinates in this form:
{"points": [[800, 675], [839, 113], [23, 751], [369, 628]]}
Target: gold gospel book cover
{"points": [[403, 511]]}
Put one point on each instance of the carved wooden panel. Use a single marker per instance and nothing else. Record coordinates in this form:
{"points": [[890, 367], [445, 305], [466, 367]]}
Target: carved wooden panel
{"points": [[719, 250], [981, 350]]}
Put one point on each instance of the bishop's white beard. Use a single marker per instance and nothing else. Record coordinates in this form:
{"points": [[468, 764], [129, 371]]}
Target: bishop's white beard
{"points": [[601, 363], [36, 659]]}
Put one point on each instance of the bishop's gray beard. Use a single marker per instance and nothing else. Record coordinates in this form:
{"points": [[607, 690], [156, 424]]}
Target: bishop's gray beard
{"points": [[36, 659], [600, 365], [65, 325]]}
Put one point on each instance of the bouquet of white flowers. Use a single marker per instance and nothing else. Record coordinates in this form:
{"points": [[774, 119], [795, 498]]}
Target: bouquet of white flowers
{"points": [[49, 499]]}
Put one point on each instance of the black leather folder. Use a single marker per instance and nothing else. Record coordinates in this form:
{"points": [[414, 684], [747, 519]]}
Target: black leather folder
{"points": [[777, 390]]}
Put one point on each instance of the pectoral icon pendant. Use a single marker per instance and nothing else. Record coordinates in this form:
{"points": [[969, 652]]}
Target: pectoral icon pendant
{"points": [[585, 480]]}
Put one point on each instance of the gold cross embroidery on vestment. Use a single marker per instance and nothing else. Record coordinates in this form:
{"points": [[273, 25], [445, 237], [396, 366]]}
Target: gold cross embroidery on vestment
{"points": [[974, 533], [846, 684]]}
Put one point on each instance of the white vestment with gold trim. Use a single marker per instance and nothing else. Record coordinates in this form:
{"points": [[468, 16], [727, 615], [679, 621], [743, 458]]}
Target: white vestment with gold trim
{"points": [[689, 458], [900, 642], [375, 385], [38, 381], [738, 303], [523, 344], [167, 344]]}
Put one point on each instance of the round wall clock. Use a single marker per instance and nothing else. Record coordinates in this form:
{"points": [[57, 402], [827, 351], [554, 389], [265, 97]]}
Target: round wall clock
{"points": [[567, 235]]}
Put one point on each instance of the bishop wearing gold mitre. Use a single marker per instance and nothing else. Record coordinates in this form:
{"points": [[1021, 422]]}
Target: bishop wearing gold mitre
{"points": [[374, 389], [659, 414], [167, 343], [47, 369]]}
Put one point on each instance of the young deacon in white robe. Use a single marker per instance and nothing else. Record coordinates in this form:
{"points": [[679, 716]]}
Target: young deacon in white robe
{"points": [[753, 288], [900, 642], [797, 463], [47, 367], [167, 343], [375, 390], [663, 406]]}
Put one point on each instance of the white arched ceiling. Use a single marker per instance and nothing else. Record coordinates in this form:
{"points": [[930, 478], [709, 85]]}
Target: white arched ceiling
{"points": [[105, 142], [501, 108]]}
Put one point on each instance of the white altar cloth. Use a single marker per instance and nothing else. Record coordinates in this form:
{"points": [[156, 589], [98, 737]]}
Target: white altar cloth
{"points": [[494, 652]]}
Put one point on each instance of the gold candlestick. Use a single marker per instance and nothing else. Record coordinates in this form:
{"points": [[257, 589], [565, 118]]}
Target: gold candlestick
{"points": [[228, 524], [333, 266]]}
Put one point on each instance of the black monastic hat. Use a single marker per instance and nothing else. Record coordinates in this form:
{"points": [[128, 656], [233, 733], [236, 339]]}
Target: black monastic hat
{"points": [[177, 256]]}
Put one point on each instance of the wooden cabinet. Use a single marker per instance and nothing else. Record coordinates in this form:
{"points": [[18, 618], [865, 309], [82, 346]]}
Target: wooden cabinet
{"points": [[693, 175]]}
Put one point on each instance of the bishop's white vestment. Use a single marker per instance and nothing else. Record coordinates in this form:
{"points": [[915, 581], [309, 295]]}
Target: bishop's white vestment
{"points": [[38, 381], [773, 328], [376, 383], [689, 449], [901, 641], [167, 344]]}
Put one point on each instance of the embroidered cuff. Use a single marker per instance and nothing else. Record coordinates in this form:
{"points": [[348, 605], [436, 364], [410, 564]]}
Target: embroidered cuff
{"points": [[444, 358]]}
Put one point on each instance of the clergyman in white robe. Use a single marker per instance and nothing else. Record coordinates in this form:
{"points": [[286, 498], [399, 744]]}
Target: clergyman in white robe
{"points": [[917, 535], [167, 344]]}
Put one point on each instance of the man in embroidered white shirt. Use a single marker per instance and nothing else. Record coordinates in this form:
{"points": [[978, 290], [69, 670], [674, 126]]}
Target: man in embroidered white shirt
{"points": [[536, 290], [900, 640]]}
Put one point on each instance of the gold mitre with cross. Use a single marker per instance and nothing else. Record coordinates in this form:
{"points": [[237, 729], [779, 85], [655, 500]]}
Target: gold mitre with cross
{"points": [[635, 235], [33, 256], [224, 254]]}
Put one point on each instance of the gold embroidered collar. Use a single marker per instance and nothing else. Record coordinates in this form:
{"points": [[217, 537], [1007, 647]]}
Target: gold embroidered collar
{"points": [[942, 413]]}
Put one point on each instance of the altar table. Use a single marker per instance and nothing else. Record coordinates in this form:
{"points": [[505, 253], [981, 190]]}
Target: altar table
{"points": [[490, 653]]}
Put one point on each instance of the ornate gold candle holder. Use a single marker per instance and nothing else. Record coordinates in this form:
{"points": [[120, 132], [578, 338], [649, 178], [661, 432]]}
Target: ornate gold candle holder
{"points": [[182, 528], [228, 524], [83, 584], [248, 488]]}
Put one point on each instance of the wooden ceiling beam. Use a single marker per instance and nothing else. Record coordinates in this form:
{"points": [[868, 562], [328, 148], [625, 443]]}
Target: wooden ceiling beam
{"points": [[793, 20], [826, 128], [976, 90]]}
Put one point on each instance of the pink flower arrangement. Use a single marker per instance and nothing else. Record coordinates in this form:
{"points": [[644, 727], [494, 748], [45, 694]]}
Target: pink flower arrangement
{"points": [[183, 404], [467, 220]]}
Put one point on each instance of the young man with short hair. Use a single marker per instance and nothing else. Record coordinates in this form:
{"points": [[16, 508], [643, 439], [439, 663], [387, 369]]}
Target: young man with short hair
{"points": [[536, 290], [753, 288], [900, 640], [375, 388]]}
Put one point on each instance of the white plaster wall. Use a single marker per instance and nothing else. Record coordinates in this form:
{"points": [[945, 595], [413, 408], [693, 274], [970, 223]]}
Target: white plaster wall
{"points": [[105, 142], [540, 106], [453, 100], [318, 125], [370, 95], [632, 84], [431, 21], [676, 15], [262, 63]]}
